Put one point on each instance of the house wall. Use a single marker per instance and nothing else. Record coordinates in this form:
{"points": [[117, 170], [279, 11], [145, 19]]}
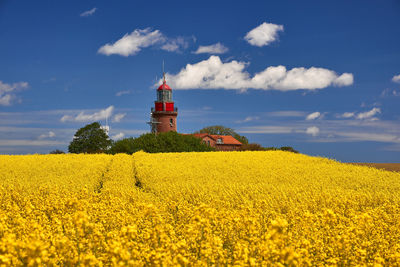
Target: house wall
{"points": [[208, 141], [219, 147]]}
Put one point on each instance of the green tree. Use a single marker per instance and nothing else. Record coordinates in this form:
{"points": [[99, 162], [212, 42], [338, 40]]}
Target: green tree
{"points": [[161, 142], [90, 139], [222, 130]]}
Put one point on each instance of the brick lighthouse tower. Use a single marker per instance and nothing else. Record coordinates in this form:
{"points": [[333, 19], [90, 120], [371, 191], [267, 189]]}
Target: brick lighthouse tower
{"points": [[163, 115]]}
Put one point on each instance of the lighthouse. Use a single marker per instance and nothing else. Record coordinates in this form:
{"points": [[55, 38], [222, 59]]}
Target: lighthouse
{"points": [[163, 114]]}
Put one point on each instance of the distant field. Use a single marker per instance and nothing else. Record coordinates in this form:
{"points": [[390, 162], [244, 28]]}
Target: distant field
{"points": [[386, 166]]}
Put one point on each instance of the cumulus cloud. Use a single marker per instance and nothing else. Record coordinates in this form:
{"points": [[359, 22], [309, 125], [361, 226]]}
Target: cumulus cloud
{"points": [[396, 78], [345, 79], [214, 74], [50, 134], [118, 136], [314, 131], [118, 117], [131, 44], [217, 48], [368, 114], [125, 92], [88, 12], [313, 116], [7, 92], [347, 115], [264, 34], [96, 116]]}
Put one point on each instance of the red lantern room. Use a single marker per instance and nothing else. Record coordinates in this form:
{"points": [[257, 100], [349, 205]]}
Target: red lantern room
{"points": [[163, 115]]}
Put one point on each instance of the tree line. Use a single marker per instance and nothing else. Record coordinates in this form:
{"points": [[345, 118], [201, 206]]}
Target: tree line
{"points": [[93, 138]]}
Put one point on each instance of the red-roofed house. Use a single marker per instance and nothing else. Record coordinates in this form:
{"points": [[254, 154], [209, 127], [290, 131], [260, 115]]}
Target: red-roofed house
{"points": [[220, 142]]}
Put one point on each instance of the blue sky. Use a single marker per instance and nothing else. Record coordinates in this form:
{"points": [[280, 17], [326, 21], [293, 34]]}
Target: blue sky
{"points": [[321, 76]]}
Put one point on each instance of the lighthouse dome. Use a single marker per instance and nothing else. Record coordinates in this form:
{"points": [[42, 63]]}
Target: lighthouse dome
{"points": [[164, 86]]}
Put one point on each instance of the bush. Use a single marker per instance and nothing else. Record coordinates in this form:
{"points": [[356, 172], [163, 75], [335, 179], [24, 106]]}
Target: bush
{"points": [[161, 142], [57, 151], [252, 147], [289, 148]]}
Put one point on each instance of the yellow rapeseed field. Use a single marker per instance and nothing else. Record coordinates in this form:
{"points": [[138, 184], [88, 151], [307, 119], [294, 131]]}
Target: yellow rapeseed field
{"points": [[196, 209]]}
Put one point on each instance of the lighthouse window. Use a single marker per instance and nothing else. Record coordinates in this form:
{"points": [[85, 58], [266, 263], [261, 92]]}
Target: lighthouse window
{"points": [[164, 96], [171, 122], [167, 95]]}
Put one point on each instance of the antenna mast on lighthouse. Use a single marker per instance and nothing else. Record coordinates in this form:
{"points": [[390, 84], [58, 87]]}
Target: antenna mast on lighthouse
{"points": [[163, 72]]}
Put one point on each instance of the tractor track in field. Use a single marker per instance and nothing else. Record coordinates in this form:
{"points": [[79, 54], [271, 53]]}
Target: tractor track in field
{"points": [[103, 176]]}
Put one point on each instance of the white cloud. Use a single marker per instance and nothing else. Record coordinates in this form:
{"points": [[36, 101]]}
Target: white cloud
{"points": [[174, 45], [390, 92], [266, 130], [118, 117], [347, 115], [264, 34], [385, 92], [368, 114], [313, 116], [125, 92], [82, 117], [396, 78], [50, 134], [131, 44], [170, 47], [217, 48], [375, 137], [66, 118], [214, 74], [248, 119], [7, 92], [88, 12], [345, 79], [6, 100], [314, 131], [118, 136]]}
